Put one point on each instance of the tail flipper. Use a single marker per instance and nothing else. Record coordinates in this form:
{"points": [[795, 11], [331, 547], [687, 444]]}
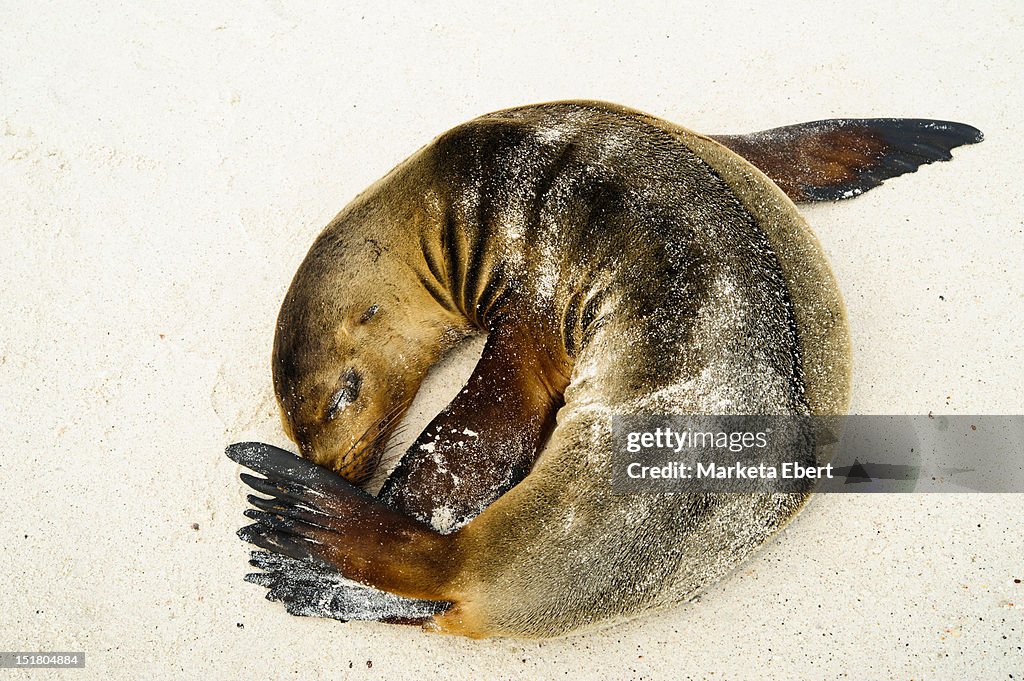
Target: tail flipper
{"points": [[842, 158], [329, 534]]}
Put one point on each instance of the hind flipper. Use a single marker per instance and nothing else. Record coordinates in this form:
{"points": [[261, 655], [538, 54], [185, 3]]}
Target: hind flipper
{"points": [[842, 158], [311, 589], [314, 516]]}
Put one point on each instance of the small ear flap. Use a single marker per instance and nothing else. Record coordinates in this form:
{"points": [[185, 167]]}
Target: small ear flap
{"points": [[842, 158]]}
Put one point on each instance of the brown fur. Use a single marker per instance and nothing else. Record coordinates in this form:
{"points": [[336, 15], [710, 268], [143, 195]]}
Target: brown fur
{"points": [[621, 264]]}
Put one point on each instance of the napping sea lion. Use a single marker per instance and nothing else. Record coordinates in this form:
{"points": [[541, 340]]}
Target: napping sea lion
{"points": [[619, 264]]}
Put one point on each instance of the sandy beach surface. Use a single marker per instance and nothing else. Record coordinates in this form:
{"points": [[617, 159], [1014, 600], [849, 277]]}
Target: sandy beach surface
{"points": [[165, 167]]}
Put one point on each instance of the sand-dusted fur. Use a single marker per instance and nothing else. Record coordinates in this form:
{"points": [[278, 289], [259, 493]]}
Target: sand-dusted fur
{"points": [[620, 264]]}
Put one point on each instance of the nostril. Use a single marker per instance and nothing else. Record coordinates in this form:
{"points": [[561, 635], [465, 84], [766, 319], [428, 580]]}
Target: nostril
{"points": [[346, 392]]}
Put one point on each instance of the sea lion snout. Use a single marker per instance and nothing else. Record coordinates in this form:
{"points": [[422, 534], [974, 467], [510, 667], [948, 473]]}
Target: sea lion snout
{"points": [[340, 399], [350, 431]]}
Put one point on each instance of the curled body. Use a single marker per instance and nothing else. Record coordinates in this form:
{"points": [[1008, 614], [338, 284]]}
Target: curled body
{"points": [[619, 264]]}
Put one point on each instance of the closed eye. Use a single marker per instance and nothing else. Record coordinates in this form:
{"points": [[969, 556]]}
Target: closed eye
{"points": [[346, 394], [369, 314]]}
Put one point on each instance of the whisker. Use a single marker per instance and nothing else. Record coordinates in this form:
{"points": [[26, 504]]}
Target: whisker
{"points": [[392, 416], [370, 427]]}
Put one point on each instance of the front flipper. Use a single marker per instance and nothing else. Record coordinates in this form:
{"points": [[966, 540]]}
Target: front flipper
{"points": [[334, 533], [486, 440], [312, 589], [842, 158]]}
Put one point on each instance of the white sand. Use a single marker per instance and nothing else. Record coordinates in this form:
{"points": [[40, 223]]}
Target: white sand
{"points": [[164, 171]]}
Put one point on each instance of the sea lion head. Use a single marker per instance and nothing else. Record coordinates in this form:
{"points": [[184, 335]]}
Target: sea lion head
{"points": [[348, 352]]}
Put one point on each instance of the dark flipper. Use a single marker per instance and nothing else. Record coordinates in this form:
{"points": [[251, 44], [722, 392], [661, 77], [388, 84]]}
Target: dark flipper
{"points": [[311, 589], [842, 158], [329, 534], [484, 442]]}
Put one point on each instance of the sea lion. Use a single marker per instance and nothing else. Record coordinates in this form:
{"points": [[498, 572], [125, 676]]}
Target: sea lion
{"points": [[619, 264]]}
